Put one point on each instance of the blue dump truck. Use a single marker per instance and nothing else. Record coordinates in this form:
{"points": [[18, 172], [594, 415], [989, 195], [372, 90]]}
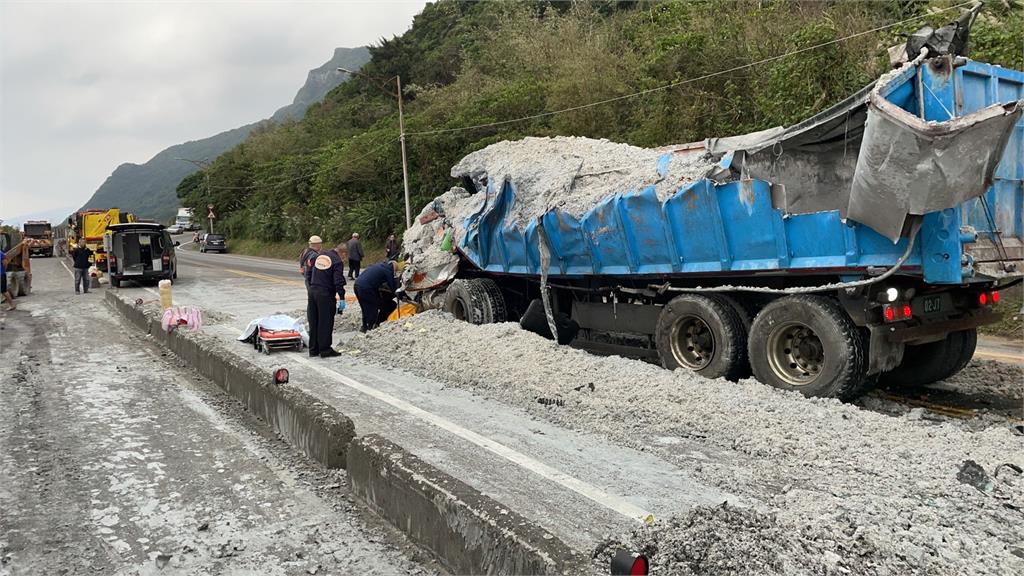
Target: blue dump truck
{"points": [[867, 243]]}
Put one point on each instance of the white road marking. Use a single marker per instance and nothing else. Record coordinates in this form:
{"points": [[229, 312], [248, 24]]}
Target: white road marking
{"points": [[64, 264], [585, 489]]}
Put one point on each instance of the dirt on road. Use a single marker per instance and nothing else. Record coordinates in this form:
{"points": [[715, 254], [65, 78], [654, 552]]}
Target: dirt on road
{"points": [[116, 460]]}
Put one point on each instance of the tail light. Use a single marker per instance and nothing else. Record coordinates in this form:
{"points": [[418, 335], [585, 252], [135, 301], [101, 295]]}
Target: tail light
{"points": [[166, 259], [895, 312], [988, 298]]}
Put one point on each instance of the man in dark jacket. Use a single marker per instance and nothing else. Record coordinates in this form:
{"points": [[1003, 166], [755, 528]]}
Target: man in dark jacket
{"points": [[355, 255], [308, 253], [81, 255], [325, 278], [375, 290], [392, 248]]}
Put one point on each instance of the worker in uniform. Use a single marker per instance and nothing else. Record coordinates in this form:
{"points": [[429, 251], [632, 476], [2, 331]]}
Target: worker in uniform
{"points": [[376, 289], [308, 253], [325, 278]]}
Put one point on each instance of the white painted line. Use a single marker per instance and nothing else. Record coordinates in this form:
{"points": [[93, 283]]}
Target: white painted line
{"points": [[585, 489], [64, 264]]}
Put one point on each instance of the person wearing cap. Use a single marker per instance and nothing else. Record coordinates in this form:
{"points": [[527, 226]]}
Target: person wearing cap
{"points": [[376, 290], [325, 276], [355, 256], [309, 252]]}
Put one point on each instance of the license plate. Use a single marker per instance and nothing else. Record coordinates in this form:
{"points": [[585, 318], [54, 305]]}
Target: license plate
{"points": [[932, 304]]}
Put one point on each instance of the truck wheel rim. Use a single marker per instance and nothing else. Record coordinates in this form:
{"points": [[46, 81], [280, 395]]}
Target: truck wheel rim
{"points": [[693, 343], [795, 354], [459, 309]]}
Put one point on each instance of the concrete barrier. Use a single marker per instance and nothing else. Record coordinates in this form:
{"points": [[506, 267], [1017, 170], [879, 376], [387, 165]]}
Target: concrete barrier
{"points": [[469, 532], [466, 531], [310, 425]]}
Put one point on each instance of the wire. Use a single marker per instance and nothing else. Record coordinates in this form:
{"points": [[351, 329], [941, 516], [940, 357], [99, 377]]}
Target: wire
{"points": [[305, 176], [682, 82]]}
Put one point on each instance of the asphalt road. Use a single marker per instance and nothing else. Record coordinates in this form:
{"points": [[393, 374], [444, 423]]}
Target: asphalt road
{"points": [[115, 459]]}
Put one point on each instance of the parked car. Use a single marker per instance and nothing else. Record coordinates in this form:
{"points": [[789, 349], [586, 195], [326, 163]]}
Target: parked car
{"points": [[213, 243], [175, 229], [141, 252]]}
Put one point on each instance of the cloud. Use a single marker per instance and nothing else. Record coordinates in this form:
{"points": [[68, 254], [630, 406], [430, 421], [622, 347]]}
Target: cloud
{"points": [[88, 86]]}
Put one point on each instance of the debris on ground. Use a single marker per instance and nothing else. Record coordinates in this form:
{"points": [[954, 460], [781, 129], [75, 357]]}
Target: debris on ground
{"points": [[816, 466]]}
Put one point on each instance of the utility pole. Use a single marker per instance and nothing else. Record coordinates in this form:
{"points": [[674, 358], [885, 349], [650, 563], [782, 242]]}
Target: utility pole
{"points": [[401, 137]]}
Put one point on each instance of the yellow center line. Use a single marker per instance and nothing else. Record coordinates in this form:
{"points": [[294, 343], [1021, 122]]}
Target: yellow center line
{"points": [[1019, 359], [939, 408], [266, 277]]}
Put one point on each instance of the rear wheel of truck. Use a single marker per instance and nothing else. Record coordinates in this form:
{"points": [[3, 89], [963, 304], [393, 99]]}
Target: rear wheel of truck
{"points": [[704, 334], [809, 344], [469, 300], [496, 299], [934, 361]]}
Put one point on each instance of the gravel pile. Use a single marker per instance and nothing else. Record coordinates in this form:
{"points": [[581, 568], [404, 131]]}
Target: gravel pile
{"points": [[574, 174], [879, 493], [990, 378]]}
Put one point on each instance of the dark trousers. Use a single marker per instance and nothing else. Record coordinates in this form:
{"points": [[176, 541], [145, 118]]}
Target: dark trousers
{"points": [[374, 307], [320, 311], [353, 268], [82, 278]]}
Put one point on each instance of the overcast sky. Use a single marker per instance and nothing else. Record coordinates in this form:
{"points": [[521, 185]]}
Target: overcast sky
{"points": [[86, 86]]}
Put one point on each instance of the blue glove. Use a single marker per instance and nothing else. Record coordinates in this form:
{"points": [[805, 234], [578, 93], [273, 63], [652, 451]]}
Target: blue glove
{"points": [[341, 306]]}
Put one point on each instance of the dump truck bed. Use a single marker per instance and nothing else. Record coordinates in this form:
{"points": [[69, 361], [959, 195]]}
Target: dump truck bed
{"points": [[737, 226]]}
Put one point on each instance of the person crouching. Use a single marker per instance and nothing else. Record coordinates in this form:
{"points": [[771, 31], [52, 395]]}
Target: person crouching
{"points": [[325, 278], [375, 289]]}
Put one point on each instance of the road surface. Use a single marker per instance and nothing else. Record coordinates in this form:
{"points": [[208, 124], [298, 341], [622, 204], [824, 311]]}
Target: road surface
{"points": [[115, 459]]}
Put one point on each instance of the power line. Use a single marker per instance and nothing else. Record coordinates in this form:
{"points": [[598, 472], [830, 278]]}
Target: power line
{"points": [[682, 82], [304, 176]]}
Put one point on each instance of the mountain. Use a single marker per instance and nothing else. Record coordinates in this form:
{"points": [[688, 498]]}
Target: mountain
{"points": [[148, 190]]}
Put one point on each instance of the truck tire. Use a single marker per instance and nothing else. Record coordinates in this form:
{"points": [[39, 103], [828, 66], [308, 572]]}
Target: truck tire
{"points": [[115, 282], [704, 334], [535, 320], [809, 344], [499, 312], [468, 300], [927, 363]]}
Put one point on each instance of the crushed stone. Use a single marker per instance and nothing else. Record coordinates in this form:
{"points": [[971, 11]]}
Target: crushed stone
{"points": [[573, 174], [878, 492], [984, 377]]}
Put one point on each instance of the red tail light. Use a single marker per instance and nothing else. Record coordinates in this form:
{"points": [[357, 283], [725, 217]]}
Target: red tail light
{"points": [[983, 299], [633, 564], [166, 259], [995, 297], [894, 312]]}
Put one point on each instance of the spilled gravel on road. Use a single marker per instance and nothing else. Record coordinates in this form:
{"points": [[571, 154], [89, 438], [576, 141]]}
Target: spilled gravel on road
{"points": [[852, 490]]}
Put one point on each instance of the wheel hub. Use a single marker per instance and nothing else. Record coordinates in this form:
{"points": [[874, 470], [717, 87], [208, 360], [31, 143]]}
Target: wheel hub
{"points": [[693, 344], [795, 354]]}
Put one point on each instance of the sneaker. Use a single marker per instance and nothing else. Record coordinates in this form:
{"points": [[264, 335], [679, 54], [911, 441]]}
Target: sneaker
{"points": [[330, 353], [313, 354]]}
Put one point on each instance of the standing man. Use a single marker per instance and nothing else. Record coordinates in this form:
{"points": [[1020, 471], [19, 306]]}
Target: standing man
{"points": [[355, 255], [372, 290], [391, 248], [325, 277], [308, 253], [3, 283], [81, 255]]}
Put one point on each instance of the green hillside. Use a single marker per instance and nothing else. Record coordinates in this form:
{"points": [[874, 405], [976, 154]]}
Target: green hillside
{"points": [[470, 63], [148, 189]]}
